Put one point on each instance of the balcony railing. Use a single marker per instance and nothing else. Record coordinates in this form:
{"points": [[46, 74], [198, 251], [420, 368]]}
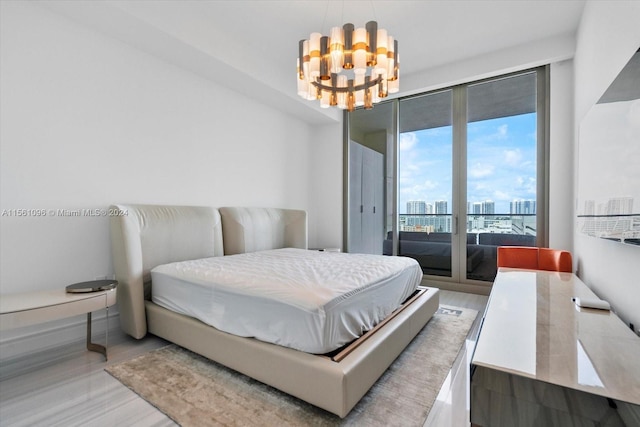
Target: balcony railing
{"points": [[475, 223], [427, 238]]}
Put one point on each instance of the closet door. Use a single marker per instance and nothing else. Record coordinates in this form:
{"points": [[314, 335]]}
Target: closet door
{"points": [[372, 201], [366, 200], [355, 243]]}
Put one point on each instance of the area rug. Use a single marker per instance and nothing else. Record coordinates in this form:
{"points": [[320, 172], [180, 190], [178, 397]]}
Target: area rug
{"points": [[194, 391]]}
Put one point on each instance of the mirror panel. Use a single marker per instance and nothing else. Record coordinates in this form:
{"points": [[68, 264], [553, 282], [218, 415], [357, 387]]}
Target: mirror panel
{"points": [[609, 162]]}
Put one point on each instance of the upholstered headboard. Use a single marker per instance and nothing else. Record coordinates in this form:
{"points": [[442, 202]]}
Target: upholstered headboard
{"points": [[257, 229], [145, 236]]}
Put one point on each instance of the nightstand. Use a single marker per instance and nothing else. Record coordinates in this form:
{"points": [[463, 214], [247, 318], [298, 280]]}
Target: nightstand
{"points": [[24, 309]]}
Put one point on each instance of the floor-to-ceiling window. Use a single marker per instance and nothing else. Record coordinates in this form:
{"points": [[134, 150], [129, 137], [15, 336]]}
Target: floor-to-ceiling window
{"points": [[464, 172], [426, 182], [502, 169]]}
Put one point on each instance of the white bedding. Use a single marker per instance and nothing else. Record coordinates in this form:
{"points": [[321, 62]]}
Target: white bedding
{"points": [[308, 300]]}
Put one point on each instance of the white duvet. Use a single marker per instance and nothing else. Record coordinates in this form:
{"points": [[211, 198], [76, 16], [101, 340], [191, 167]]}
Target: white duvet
{"points": [[307, 300]]}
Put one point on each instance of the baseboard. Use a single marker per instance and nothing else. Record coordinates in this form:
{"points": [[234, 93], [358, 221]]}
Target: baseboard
{"points": [[18, 342]]}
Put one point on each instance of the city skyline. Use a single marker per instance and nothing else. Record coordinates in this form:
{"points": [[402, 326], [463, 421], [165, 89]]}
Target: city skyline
{"points": [[518, 206], [501, 163], [424, 207], [613, 218]]}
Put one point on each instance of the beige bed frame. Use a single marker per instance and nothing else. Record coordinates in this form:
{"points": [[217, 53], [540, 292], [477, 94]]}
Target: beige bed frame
{"points": [[144, 236]]}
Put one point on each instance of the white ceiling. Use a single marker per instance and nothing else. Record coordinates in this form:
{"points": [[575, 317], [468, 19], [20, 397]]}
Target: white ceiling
{"points": [[252, 46]]}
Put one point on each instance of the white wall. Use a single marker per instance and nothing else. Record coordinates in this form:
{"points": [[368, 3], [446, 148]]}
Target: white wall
{"points": [[326, 187], [516, 58], [87, 121], [561, 149], [609, 35]]}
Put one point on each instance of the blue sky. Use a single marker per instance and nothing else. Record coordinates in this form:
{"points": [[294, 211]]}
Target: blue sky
{"points": [[501, 162]]}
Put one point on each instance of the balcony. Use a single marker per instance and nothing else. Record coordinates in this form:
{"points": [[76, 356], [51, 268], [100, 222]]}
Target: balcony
{"points": [[427, 238]]}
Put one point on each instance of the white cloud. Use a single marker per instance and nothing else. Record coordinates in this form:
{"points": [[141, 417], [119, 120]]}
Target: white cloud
{"points": [[530, 186], [429, 185], [481, 135], [408, 141], [480, 171], [501, 195], [419, 191], [528, 164], [513, 157]]}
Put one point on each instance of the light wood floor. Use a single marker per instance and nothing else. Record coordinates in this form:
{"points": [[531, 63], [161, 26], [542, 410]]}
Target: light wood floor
{"points": [[67, 385]]}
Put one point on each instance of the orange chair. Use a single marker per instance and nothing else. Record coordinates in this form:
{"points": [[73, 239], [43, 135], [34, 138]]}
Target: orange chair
{"points": [[535, 258], [518, 257], [555, 260]]}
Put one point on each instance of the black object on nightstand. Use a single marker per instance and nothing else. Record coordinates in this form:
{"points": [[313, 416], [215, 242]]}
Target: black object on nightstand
{"points": [[92, 286]]}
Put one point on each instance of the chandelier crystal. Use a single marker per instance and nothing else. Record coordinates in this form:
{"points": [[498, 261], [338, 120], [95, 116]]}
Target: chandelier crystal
{"points": [[349, 68]]}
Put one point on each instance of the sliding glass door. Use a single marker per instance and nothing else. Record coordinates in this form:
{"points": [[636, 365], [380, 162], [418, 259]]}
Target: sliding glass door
{"points": [[464, 173], [426, 182], [501, 169]]}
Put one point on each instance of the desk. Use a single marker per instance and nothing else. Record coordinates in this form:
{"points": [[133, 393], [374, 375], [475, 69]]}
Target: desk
{"points": [[541, 360], [17, 310]]}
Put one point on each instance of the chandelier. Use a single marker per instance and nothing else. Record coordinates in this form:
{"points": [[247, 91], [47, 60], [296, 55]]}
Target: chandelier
{"points": [[351, 68]]}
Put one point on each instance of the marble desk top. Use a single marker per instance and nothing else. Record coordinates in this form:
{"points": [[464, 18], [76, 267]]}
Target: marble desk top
{"points": [[533, 328]]}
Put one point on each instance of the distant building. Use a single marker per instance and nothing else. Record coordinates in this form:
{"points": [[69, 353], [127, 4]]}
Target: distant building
{"points": [[589, 207], [419, 217], [619, 206], [488, 207], [416, 207], [611, 219], [441, 207], [523, 207], [429, 210]]}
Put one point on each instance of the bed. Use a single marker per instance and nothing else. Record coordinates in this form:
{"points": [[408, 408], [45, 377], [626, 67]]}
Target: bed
{"points": [[152, 237]]}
